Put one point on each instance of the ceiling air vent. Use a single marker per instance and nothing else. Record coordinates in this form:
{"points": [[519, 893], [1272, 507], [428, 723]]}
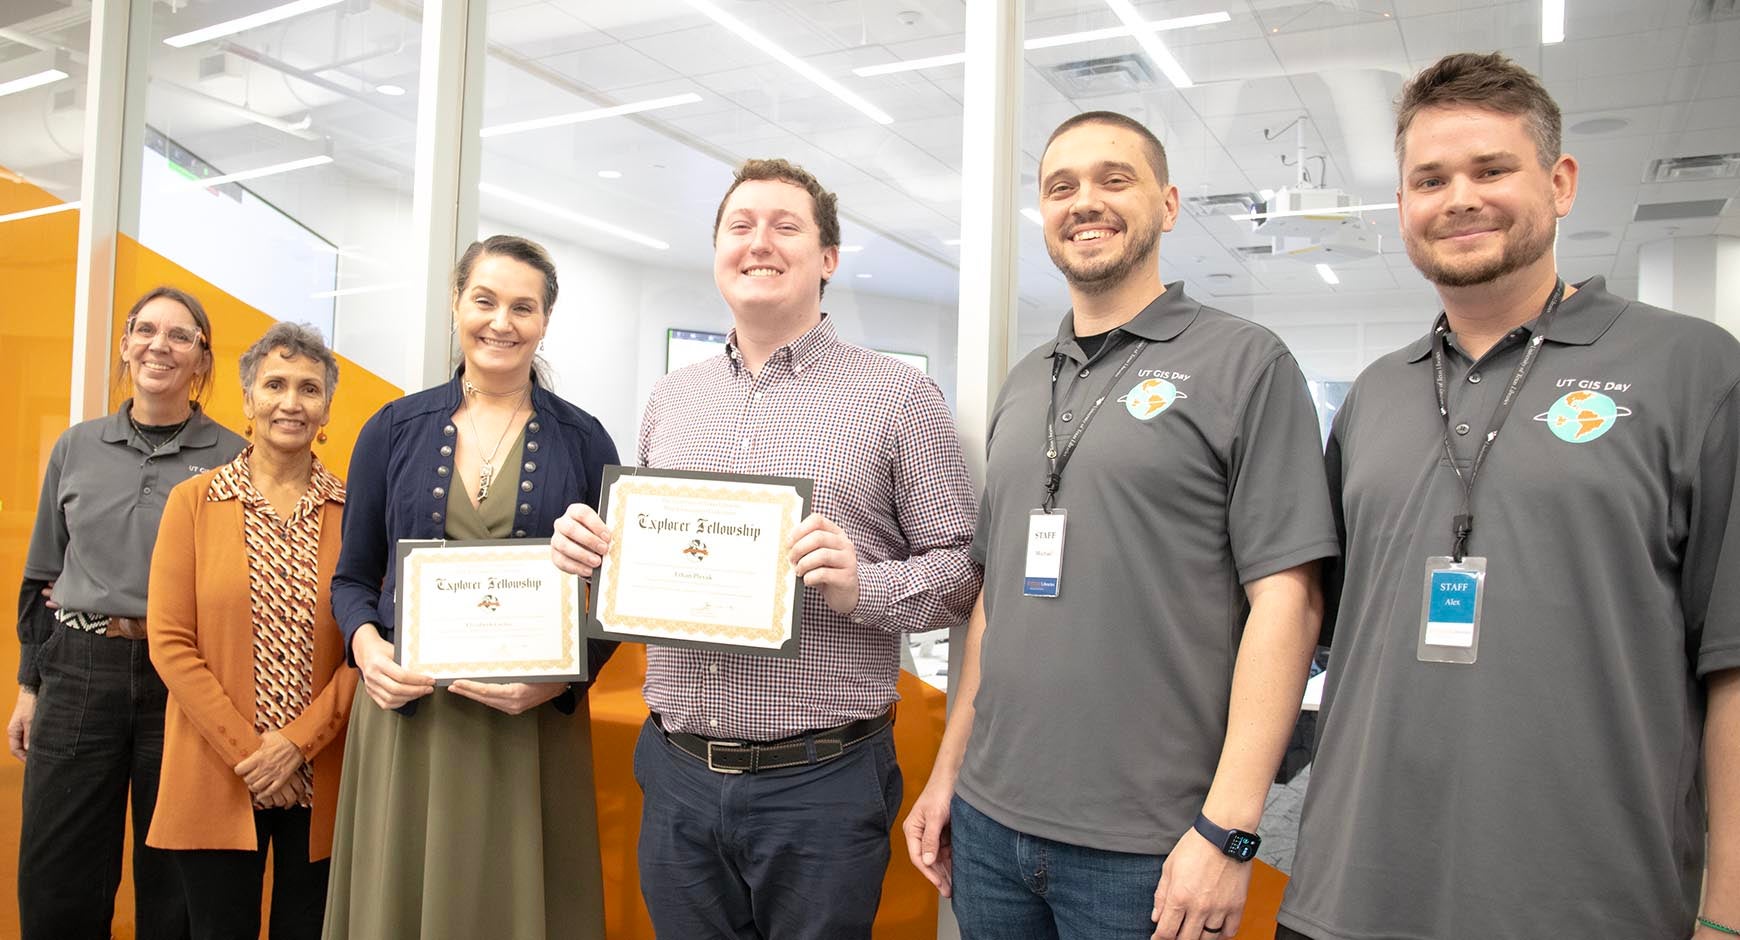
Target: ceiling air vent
{"points": [[1710, 166], [1665, 211], [1108, 75], [1254, 251], [1222, 204]]}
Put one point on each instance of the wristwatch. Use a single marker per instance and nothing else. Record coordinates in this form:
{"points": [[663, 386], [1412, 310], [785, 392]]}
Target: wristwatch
{"points": [[1237, 844]]}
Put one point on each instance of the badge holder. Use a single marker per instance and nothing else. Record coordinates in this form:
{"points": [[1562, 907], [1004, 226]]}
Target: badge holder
{"points": [[1044, 572], [1450, 614]]}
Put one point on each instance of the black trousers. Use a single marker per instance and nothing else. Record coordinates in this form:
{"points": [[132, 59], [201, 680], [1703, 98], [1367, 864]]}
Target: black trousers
{"points": [[96, 740], [223, 887], [1288, 933]]}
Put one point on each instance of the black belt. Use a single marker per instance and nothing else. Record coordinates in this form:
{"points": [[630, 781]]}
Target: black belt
{"points": [[748, 757]]}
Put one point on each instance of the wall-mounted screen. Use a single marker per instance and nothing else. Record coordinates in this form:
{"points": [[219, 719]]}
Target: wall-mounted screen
{"points": [[687, 347]]}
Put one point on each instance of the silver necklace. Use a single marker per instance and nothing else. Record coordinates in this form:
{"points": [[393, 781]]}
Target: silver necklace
{"points": [[486, 472]]}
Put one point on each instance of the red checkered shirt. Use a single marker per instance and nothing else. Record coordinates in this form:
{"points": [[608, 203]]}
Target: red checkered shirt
{"points": [[876, 437]]}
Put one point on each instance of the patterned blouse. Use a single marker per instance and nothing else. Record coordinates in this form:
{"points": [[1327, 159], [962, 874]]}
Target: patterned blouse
{"points": [[283, 587]]}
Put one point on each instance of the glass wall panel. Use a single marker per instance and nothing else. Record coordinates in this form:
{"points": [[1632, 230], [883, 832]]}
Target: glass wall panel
{"points": [[1289, 106], [277, 165]]}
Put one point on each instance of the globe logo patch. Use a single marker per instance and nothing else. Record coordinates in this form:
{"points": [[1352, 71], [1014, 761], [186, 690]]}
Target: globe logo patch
{"points": [[1150, 397], [1582, 416]]}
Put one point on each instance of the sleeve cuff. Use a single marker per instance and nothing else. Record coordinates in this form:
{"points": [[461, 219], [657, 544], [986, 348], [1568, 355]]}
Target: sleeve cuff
{"points": [[28, 675], [875, 596]]}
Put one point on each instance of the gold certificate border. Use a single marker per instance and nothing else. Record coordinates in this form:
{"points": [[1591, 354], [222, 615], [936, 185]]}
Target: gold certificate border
{"points": [[778, 628], [454, 555]]}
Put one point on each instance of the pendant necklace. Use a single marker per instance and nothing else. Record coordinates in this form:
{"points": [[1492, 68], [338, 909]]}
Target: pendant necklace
{"points": [[486, 472]]}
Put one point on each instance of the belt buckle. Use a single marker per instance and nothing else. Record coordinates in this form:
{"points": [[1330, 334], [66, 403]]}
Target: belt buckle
{"points": [[715, 767]]}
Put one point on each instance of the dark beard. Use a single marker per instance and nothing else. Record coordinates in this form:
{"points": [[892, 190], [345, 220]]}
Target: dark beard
{"points": [[1101, 280], [1518, 253]]}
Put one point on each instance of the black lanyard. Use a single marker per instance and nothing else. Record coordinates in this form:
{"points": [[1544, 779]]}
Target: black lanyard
{"points": [[1463, 525], [1060, 459]]}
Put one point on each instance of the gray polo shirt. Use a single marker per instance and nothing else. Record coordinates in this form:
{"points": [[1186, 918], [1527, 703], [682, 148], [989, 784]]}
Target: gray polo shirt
{"points": [[1101, 712], [1552, 788], [96, 522]]}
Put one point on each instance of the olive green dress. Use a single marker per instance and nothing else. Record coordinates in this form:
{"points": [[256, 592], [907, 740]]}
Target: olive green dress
{"points": [[463, 822]]}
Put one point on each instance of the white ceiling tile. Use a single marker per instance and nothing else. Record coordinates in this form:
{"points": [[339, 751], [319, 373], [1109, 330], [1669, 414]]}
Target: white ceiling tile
{"points": [[1370, 45], [531, 23], [608, 68]]}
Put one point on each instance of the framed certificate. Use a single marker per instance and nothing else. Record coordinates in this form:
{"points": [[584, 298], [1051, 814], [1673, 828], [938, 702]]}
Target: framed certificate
{"points": [[488, 609], [700, 560]]}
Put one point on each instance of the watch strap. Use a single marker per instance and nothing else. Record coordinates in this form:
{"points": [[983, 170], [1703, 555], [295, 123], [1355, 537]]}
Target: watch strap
{"points": [[1236, 844]]}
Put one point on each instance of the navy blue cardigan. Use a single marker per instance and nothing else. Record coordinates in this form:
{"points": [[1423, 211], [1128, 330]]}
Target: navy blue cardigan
{"points": [[402, 469]]}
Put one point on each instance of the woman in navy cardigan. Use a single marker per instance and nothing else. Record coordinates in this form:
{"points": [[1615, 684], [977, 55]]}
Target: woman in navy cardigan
{"points": [[468, 811]]}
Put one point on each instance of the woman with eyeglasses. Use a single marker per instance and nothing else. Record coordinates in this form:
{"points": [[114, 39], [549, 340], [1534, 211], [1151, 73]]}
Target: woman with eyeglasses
{"points": [[88, 723], [242, 633]]}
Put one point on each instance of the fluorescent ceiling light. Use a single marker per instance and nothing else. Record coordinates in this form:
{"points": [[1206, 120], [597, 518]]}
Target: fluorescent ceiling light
{"points": [[34, 80], [1328, 213], [33, 213], [578, 117], [847, 249], [1150, 44], [1033, 216], [1049, 42], [749, 35], [866, 276], [610, 174], [1327, 273], [254, 174], [349, 291], [241, 23], [390, 90], [597, 225], [1552, 21], [952, 242]]}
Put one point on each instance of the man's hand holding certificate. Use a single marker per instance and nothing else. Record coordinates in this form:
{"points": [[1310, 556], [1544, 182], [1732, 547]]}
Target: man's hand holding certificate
{"points": [[704, 560]]}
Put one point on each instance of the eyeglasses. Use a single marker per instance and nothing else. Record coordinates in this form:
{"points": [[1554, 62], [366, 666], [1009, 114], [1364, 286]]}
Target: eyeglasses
{"points": [[179, 337]]}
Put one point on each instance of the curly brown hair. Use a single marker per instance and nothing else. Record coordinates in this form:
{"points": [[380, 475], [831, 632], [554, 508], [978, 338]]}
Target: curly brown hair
{"points": [[824, 204]]}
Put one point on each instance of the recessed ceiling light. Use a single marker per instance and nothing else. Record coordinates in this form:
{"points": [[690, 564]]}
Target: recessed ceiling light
{"points": [[610, 174], [35, 80], [866, 276], [591, 114], [1590, 235], [252, 20], [1552, 22], [597, 225], [390, 90], [1600, 125], [1327, 273]]}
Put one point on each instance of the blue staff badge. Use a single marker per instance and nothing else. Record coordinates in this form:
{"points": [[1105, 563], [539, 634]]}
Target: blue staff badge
{"points": [[1582, 416], [1150, 397]]}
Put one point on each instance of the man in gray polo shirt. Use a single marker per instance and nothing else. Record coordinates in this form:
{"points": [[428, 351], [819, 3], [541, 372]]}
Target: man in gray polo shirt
{"points": [[1528, 765], [1150, 600]]}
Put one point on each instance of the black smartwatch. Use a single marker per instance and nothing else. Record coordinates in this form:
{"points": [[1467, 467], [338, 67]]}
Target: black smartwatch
{"points": [[1236, 844]]}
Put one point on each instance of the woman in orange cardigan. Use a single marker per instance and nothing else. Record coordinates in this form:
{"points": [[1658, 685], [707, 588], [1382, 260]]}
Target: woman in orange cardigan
{"points": [[241, 630]]}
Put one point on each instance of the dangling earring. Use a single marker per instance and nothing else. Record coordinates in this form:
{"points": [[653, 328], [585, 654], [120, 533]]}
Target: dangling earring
{"points": [[320, 438], [540, 345], [248, 431]]}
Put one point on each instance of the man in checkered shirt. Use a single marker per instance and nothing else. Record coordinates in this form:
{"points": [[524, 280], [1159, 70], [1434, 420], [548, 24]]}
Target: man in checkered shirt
{"points": [[729, 847]]}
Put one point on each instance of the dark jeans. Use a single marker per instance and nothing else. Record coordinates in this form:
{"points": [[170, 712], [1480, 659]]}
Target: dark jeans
{"points": [[223, 887], [1287, 933], [97, 734], [784, 855], [1013, 886]]}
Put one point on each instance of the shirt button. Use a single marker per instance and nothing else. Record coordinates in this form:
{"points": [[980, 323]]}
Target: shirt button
{"points": [[1462, 429], [1474, 377], [446, 451], [757, 395], [1084, 373], [713, 668], [435, 516], [532, 426], [525, 486], [440, 493], [441, 471], [519, 533], [447, 431], [746, 443], [531, 465], [532, 446], [712, 722], [525, 509], [1068, 416], [147, 491]]}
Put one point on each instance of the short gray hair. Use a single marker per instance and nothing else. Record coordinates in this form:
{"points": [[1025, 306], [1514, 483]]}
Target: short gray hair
{"points": [[296, 339]]}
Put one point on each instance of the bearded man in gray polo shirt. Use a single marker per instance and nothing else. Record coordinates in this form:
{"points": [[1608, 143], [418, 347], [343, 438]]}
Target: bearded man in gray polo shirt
{"points": [[1150, 537], [1538, 625]]}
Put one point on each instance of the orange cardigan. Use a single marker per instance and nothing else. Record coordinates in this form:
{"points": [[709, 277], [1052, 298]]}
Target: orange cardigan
{"points": [[200, 625]]}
